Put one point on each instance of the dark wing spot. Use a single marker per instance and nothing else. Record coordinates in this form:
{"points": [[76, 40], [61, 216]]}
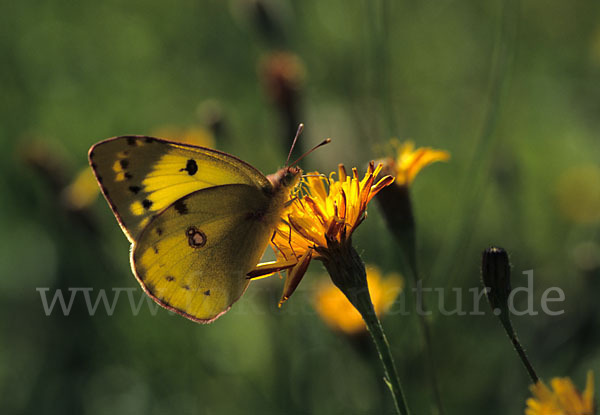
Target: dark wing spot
{"points": [[124, 163], [158, 231], [186, 287], [135, 189], [146, 204], [128, 176], [155, 249], [99, 179], [207, 292], [196, 238], [94, 165], [191, 167], [180, 207], [149, 140], [131, 141], [170, 278]]}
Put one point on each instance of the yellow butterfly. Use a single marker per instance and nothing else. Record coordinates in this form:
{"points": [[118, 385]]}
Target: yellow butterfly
{"points": [[199, 220]]}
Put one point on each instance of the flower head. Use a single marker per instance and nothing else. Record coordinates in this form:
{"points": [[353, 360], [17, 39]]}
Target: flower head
{"points": [[563, 399], [332, 212], [324, 211], [395, 201], [409, 162], [339, 314]]}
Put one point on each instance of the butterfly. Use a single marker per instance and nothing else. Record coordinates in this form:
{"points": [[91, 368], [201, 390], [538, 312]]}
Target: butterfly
{"points": [[198, 219]]}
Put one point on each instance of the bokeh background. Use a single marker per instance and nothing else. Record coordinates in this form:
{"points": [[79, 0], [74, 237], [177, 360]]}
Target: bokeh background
{"points": [[511, 89]]}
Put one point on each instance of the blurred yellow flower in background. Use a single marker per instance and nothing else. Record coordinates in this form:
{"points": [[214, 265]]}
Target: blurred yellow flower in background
{"points": [[339, 314], [563, 399], [197, 136], [82, 191], [578, 192], [409, 161]]}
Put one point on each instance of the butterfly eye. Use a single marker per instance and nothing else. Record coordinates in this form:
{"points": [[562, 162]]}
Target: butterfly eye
{"points": [[289, 178]]}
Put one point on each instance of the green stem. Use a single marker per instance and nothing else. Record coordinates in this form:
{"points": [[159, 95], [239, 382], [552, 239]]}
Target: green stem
{"points": [[348, 273], [396, 204], [383, 350], [512, 335]]}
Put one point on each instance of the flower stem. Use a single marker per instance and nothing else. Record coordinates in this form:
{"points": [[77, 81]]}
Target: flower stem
{"points": [[512, 335], [383, 349], [348, 273], [396, 204]]}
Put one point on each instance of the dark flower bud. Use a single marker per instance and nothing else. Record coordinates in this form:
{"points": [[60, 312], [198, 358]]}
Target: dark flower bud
{"points": [[495, 274]]}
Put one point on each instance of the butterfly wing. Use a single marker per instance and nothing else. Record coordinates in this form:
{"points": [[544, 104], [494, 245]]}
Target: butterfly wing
{"points": [[140, 176], [194, 256]]}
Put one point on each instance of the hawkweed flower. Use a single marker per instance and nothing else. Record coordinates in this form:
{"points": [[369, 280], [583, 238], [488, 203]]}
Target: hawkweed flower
{"points": [[319, 224], [323, 216], [396, 205], [335, 310], [409, 161], [562, 399], [395, 201]]}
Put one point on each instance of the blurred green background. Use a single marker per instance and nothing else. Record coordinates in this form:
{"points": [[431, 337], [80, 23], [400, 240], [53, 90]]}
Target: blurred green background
{"points": [[511, 90]]}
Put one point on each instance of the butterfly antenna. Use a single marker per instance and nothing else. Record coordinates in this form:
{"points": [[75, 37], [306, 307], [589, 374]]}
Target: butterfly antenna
{"points": [[298, 132], [322, 143]]}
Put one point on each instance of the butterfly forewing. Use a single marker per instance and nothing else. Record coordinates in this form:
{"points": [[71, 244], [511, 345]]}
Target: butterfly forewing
{"points": [[141, 176], [193, 257]]}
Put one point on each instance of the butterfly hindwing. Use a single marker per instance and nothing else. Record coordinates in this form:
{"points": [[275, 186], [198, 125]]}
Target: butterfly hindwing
{"points": [[193, 257], [141, 176]]}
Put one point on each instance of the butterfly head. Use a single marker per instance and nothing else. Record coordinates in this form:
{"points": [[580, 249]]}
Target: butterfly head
{"points": [[285, 179]]}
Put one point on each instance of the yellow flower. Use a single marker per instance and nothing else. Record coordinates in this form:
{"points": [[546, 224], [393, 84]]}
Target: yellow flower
{"points": [[327, 212], [324, 210], [563, 399], [83, 191], [409, 161], [339, 314]]}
